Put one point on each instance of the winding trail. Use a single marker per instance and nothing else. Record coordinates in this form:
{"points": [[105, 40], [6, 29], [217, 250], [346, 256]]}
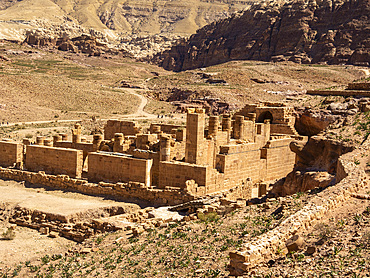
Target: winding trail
{"points": [[139, 113], [140, 109]]}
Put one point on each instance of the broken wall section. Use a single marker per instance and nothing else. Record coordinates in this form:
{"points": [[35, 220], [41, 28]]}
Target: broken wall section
{"points": [[117, 126]]}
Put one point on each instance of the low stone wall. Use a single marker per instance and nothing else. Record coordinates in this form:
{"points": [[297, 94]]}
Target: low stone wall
{"points": [[131, 190], [265, 247], [72, 228], [359, 86], [345, 93]]}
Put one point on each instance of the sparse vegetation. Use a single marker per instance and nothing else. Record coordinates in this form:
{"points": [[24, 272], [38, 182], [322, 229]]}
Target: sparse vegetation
{"points": [[9, 234]]}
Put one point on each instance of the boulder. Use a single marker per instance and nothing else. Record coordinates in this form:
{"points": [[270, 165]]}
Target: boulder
{"points": [[295, 243]]}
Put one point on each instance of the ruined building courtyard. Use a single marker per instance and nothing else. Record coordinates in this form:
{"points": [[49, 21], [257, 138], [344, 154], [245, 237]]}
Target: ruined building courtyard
{"points": [[110, 167], [208, 168]]}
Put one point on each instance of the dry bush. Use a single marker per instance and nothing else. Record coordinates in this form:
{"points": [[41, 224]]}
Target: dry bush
{"points": [[208, 217], [366, 239], [9, 234], [325, 231]]}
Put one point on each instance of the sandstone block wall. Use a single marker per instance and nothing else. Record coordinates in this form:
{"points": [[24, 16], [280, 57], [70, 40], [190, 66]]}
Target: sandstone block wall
{"points": [[119, 168], [345, 93], [54, 160], [277, 113], [265, 246], [154, 156], [126, 191], [165, 128], [359, 86], [116, 126], [11, 153], [175, 174], [280, 159], [85, 147], [239, 162], [283, 129]]}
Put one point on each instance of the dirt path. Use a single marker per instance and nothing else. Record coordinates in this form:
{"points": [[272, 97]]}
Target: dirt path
{"points": [[140, 113]]}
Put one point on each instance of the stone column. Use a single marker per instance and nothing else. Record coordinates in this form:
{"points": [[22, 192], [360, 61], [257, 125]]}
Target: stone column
{"points": [[48, 142], [57, 138], [252, 117], [213, 126], [118, 141], [40, 140], [267, 129], [76, 134], [226, 126], [165, 148], [64, 136], [239, 127], [97, 140]]}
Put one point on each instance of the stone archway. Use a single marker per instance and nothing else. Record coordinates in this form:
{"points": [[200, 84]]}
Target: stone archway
{"points": [[265, 116]]}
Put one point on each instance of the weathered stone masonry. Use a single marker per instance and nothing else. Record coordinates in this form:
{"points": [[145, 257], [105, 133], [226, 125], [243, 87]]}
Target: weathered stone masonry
{"points": [[197, 160], [351, 178]]}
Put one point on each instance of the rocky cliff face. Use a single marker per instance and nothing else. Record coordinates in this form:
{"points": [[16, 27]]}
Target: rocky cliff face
{"points": [[303, 31], [117, 18]]}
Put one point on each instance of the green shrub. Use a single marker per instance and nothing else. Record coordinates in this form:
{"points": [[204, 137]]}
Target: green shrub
{"points": [[208, 217]]}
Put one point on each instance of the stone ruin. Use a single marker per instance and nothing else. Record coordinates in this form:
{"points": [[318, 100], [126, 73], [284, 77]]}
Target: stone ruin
{"points": [[237, 154], [233, 158], [186, 167], [354, 89]]}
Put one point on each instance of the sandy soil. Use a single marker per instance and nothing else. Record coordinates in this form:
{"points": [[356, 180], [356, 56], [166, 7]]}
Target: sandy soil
{"points": [[30, 244]]}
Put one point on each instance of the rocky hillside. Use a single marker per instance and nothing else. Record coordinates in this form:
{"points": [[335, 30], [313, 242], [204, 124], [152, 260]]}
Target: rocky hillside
{"points": [[304, 31], [115, 18]]}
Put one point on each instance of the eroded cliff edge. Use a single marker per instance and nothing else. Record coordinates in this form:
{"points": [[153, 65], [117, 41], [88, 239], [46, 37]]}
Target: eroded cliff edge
{"points": [[334, 32]]}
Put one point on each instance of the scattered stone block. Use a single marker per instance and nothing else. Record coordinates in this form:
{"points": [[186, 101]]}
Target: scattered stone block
{"points": [[53, 234], [295, 243]]}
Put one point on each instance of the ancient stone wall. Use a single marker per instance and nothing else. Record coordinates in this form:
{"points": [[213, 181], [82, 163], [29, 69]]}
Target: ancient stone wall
{"points": [[275, 112], [283, 129], [165, 128], [117, 126], [54, 160], [359, 86], [345, 93], [239, 162], [175, 174], [11, 153], [125, 191], [85, 147], [119, 168], [280, 159], [265, 247]]}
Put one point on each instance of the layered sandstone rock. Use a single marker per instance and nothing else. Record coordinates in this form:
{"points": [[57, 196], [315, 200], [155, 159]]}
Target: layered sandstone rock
{"points": [[84, 43], [305, 31]]}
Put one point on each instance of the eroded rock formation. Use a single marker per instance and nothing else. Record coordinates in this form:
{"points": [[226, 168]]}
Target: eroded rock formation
{"points": [[316, 165], [333, 32]]}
